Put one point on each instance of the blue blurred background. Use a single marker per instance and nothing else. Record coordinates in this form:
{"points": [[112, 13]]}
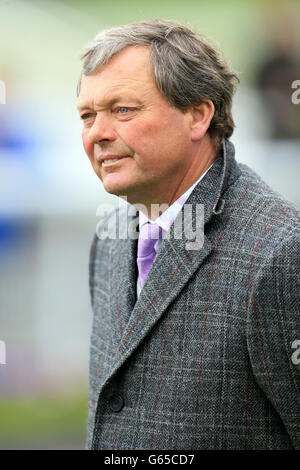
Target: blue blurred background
{"points": [[49, 193]]}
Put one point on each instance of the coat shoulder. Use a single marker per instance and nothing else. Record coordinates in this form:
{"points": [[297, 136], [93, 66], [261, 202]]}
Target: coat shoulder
{"points": [[258, 208]]}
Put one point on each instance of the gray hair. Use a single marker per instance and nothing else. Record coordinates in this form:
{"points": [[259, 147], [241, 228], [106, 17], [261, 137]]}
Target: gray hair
{"points": [[186, 68]]}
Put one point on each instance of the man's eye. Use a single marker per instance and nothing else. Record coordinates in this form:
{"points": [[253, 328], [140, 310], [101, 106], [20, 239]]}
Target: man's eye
{"points": [[86, 116], [123, 110]]}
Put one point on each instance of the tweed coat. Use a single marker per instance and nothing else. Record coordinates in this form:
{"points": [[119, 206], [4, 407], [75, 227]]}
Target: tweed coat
{"points": [[203, 358]]}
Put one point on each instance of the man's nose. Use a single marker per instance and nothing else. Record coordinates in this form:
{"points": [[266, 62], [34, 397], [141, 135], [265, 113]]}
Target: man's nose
{"points": [[101, 130]]}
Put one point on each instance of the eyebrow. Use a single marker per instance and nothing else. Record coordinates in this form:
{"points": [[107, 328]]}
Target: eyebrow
{"points": [[107, 102]]}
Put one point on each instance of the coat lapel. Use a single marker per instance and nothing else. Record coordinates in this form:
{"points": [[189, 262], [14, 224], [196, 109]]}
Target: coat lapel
{"points": [[123, 273], [174, 264]]}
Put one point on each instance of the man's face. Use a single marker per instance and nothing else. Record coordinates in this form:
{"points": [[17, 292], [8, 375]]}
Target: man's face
{"points": [[124, 115]]}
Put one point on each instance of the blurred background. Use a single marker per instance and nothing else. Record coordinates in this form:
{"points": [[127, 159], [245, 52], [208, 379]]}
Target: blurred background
{"points": [[49, 193]]}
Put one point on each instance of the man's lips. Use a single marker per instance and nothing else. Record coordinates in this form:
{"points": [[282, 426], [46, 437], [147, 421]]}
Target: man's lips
{"points": [[111, 157]]}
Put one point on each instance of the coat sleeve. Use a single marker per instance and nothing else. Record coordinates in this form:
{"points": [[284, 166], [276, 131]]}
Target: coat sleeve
{"points": [[273, 332]]}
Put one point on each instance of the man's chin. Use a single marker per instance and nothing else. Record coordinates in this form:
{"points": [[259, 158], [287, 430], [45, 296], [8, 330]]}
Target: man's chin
{"points": [[130, 193], [116, 190]]}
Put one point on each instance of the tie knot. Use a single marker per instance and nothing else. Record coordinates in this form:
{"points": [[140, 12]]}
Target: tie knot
{"points": [[150, 231], [149, 234]]}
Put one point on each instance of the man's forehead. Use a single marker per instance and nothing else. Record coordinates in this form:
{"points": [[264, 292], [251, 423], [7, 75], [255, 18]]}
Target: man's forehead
{"points": [[126, 63], [109, 98], [128, 58], [106, 93], [125, 74]]}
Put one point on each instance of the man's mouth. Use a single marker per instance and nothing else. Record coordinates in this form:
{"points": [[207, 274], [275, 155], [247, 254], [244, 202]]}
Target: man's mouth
{"points": [[112, 159]]}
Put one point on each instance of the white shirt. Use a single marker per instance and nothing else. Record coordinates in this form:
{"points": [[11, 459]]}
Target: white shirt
{"points": [[166, 219]]}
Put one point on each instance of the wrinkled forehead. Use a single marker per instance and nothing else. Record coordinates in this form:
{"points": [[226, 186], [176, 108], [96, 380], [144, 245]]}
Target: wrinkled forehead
{"points": [[131, 63], [128, 72]]}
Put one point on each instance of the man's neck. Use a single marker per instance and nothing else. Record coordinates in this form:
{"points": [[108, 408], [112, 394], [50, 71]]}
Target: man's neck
{"points": [[203, 160]]}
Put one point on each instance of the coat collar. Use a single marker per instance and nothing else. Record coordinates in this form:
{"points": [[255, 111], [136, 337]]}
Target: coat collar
{"points": [[174, 264]]}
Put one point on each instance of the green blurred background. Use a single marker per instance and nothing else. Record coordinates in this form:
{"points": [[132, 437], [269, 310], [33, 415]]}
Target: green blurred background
{"points": [[49, 193]]}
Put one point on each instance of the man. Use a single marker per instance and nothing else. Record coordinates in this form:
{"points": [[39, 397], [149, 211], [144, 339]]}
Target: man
{"points": [[192, 346]]}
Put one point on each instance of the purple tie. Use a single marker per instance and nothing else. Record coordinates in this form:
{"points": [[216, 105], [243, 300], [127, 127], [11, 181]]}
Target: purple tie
{"points": [[149, 234]]}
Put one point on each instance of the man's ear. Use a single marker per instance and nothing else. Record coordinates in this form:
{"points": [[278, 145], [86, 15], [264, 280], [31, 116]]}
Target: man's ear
{"points": [[202, 115]]}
